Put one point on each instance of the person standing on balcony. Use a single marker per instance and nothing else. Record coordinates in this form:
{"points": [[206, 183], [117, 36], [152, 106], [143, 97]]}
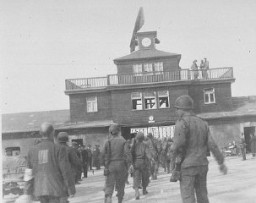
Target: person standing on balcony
{"points": [[205, 68], [194, 69]]}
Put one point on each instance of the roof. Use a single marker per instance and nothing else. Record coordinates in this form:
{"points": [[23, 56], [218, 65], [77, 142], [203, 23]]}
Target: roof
{"points": [[145, 54], [242, 106], [31, 121]]}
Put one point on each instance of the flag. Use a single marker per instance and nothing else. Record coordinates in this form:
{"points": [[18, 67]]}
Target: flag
{"points": [[138, 24]]}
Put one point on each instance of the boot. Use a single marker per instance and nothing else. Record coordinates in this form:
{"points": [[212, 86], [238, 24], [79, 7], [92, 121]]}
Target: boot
{"points": [[137, 193], [120, 199], [175, 176], [108, 199], [144, 191]]}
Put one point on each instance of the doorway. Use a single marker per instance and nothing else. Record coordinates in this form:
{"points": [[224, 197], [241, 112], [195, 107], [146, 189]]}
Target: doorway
{"points": [[247, 136]]}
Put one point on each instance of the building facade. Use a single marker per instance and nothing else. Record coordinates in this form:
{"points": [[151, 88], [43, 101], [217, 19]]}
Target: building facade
{"points": [[140, 97]]}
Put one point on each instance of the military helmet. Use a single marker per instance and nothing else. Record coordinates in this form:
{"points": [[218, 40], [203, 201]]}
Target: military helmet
{"points": [[62, 137], [184, 102], [114, 129], [140, 136], [150, 135]]}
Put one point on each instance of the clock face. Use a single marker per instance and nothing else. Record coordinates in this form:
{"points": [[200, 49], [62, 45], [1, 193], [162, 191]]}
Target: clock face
{"points": [[146, 42]]}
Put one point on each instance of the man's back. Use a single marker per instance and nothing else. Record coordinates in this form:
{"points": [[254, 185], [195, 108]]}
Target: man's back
{"points": [[50, 170], [196, 148]]}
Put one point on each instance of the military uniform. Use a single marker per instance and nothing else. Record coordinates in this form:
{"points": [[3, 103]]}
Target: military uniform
{"points": [[141, 156], [153, 150], [117, 164], [192, 134]]}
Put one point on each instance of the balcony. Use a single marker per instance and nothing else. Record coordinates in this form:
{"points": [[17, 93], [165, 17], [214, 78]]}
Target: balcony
{"points": [[152, 77]]}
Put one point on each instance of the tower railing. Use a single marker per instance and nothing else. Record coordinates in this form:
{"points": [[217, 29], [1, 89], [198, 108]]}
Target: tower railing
{"points": [[149, 77]]}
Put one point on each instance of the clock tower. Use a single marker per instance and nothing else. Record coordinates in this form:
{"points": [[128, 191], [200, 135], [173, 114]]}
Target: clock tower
{"points": [[147, 40]]}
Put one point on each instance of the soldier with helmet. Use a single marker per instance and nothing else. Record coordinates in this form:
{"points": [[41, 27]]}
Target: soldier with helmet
{"points": [[193, 138], [117, 158], [141, 156], [151, 142]]}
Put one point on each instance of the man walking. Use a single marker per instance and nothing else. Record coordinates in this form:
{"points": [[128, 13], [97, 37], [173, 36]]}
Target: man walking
{"points": [[50, 168], [117, 158], [73, 159], [141, 156], [193, 139]]}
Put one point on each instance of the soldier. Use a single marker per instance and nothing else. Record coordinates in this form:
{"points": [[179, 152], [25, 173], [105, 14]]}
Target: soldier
{"points": [[117, 158], [193, 137], [151, 142], [74, 161], [168, 154], [50, 167], [141, 155]]}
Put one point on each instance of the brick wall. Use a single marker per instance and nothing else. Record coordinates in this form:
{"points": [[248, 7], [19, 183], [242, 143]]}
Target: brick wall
{"points": [[169, 64], [222, 95], [78, 108], [122, 106]]}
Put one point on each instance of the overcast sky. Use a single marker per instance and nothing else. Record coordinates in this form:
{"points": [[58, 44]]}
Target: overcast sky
{"points": [[45, 42]]}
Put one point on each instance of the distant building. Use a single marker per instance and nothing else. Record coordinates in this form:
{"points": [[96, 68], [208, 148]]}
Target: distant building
{"points": [[140, 97]]}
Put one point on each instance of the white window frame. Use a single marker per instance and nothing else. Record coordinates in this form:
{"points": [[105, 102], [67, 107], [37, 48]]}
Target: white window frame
{"points": [[209, 96], [158, 67], [163, 94], [137, 69], [92, 104], [148, 68], [138, 97], [147, 96]]}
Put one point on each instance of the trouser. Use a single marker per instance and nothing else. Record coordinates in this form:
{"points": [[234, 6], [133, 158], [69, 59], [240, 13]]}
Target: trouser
{"points": [[243, 152], [90, 163], [50, 199], [168, 165], [193, 180], [85, 169], [116, 177], [154, 169], [141, 174]]}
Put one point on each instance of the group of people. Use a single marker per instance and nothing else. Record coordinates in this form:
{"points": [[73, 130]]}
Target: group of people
{"points": [[186, 157], [203, 68], [56, 167]]}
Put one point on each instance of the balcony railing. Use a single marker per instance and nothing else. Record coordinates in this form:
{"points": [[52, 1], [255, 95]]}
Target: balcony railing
{"points": [[152, 77]]}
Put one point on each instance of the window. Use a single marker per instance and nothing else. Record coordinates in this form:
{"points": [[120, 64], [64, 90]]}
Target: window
{"points": [[209, 96], [92, 104], [137, 69], [158, 67], [136, 101], [163, 99], [148, 68], [150, 100], [12, 151]]}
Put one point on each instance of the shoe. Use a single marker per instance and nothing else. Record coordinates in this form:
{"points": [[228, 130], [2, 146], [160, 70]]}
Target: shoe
{"points": [[137, 194], [175, 176], [144, 192], [108, 199]]}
